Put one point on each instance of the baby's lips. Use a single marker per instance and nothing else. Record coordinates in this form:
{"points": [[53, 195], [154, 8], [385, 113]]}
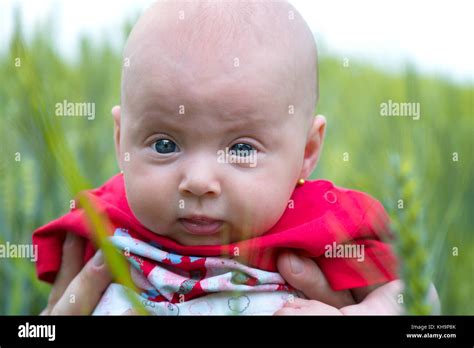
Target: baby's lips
{"points": [[201, 226]]}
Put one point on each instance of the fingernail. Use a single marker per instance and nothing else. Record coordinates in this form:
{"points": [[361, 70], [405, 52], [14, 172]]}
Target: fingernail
{"points": [[98, 259], [70, 239], [296, 264]]}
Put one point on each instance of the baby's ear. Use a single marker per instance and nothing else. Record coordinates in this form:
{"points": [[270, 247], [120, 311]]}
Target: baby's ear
{"points": [[116, 116], [313, 146]]}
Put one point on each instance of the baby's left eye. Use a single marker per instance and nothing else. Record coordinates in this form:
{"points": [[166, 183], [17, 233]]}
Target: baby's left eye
{"points": [[165, 146], [242, 149]]}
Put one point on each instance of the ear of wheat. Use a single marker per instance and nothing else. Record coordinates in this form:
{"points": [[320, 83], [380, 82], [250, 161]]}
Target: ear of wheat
{"points": [[406, 211]]}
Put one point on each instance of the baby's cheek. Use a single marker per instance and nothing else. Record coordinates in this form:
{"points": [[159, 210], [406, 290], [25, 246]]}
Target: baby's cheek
{"points": [[148, 206], [274, 209], [262, 206]]}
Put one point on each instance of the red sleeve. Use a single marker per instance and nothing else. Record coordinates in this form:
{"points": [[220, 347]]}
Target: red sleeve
{"points": [[372, 237], [49, 241], [50, 237]]}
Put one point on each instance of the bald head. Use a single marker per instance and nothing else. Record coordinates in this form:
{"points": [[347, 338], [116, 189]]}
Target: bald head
{"points": [[186, 43], [203, 78]]}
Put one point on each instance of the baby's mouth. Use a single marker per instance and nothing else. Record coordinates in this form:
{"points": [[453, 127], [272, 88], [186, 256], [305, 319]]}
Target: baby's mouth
{"points": [[200, 225]]}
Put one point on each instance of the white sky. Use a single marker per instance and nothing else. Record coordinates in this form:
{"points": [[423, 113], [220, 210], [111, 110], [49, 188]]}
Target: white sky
{"points": [[437, 36]]}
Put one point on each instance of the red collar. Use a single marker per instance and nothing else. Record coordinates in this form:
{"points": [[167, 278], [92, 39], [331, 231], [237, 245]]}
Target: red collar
{"points": [[318, 215]]}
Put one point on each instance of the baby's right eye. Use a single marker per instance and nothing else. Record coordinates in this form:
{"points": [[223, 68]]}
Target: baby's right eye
{"points": [[165, 146]]}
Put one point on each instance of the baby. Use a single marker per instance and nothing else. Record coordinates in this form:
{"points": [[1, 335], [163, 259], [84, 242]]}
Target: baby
{"points": [[214, 137]]}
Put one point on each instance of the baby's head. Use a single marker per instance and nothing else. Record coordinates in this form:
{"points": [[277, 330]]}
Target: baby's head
{"points": [[216, 119]]}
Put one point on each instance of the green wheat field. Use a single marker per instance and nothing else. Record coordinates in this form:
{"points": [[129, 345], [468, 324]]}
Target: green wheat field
{"points": [[426, 163]]}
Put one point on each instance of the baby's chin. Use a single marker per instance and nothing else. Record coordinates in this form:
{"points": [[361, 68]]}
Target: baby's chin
{"points": [[191, 240]]}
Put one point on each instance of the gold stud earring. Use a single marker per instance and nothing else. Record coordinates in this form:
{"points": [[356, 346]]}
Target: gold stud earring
{"points": [[301, 181]]}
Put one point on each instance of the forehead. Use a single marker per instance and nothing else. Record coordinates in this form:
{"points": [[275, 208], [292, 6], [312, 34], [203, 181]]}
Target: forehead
{"points": [[218, 111], [223, 59], [244, 86], [206, 111]]}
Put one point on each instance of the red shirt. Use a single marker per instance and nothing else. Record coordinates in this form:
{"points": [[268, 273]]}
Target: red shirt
{"points": [[321, 221]]}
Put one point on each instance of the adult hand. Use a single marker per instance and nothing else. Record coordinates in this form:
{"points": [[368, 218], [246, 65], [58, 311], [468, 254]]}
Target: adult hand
{"points": [[78, 287], [304, 274]]}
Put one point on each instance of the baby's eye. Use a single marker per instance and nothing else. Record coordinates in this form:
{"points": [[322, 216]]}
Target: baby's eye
{"points": [[242, 149], [165, 146]]}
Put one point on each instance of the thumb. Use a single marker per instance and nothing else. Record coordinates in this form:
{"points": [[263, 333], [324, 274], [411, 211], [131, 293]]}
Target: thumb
{"points": [[304, 274], [85, 290]]}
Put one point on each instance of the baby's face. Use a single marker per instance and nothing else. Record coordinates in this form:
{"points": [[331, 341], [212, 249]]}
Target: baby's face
{"points": [[180, 123]]}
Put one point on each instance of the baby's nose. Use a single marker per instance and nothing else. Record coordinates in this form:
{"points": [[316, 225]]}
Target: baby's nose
{"points": [[200, 179], [199, 187]]}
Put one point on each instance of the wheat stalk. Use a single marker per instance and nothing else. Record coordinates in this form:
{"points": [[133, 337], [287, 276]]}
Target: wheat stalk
{"points": [[407, 222]]}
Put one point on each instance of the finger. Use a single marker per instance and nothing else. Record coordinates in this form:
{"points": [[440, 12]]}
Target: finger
{"points": [[286, 311], [310, 307], [382, 301], [433, 300], [71, 264], [85, 291], [304, 274], [296, 303], [360, 293], [130, 311]]}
